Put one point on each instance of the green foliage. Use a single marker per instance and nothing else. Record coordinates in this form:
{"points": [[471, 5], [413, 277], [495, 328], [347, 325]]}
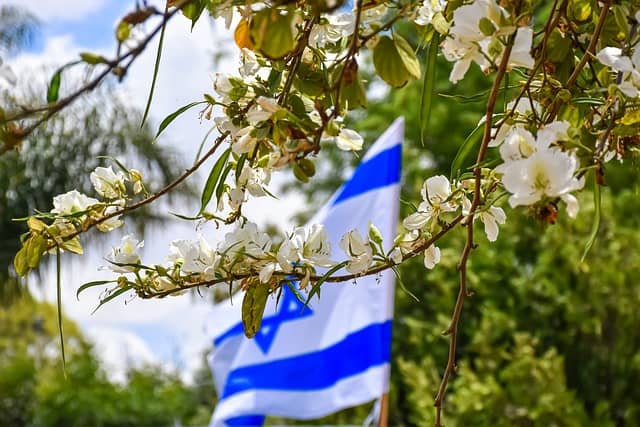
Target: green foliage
{"points": [[35, 392], [546, 340]]}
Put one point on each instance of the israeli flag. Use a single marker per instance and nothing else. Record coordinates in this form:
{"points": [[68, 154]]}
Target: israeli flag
{"points": [[306, 363]]}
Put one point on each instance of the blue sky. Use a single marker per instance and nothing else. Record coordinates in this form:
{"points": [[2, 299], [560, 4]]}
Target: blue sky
{"points": [[95, 29]]}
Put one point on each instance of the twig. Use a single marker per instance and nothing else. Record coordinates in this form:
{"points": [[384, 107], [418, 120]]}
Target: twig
{"points": [[468, 222], [573, 78], [314, 278], [154, 196]]}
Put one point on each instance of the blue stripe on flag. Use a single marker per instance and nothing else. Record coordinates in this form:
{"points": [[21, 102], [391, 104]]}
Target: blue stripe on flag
{"points": [[246, 421], [237, 329], [317, 370], [380, 171]]}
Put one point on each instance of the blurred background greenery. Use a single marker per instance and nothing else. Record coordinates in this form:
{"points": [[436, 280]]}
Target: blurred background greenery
{"points": [[546, 340]]}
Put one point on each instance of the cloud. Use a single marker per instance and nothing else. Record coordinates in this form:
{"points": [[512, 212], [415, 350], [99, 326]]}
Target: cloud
{"points": [[120, 351], [70, 10]]}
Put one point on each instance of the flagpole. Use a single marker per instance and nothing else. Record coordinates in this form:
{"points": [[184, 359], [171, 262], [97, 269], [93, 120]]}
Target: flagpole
{"points": [[384, 410]]}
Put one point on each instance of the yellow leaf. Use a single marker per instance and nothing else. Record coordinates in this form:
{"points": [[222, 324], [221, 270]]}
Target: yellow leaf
{"points": [[242, 36]]}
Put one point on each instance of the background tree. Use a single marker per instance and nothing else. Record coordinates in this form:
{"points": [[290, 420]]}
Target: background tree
{"points": [[548, 339], [35, 392]]}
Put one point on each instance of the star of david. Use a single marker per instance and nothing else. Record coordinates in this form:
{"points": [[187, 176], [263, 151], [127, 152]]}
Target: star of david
{"points": [[290, 308]]}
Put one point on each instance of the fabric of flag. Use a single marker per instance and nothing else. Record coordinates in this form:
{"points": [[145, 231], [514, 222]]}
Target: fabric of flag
{"points": [[308, 362]]}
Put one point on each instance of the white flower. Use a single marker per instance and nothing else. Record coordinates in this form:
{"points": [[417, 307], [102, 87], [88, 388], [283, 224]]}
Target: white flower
{"points": [[463, 54], [126, 253], [358, 250], [266, 272], [249, 63], [72, 202], [290, 252], [431, 256], [254, 180], [545, 173], [114, 222], [349, 140], [331, 29], [263, 110], [236, 198], [629, 67], [476, 37], [491, 218], [552, 133], [396, 256], [246, 240], [612, 57], [436, 193], [244, 142], [225, 124], [317, 248], [222, 85], [310, 246], [194, 256], [521, 50], [108, 183], [428, 9], [518, 143]]}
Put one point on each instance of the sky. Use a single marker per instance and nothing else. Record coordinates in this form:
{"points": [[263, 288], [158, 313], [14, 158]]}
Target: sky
{"points": [[170, 332]]}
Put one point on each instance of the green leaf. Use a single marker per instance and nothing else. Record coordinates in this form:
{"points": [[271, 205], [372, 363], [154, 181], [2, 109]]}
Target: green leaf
{"points": [[621, 15], [307, 167], [315, 289], [212, 181], [92, 58], [240, 165], [91, 285], [156, 67], [596, 218], [408, 56], [193, 10], [428, 87], [272, 32], [579, 10], [400, 282], [353, 95], [59, 298], [123, 31], [388, 63], [35, 250], [116, 294], [20, 261], [220, 186], [73, 245], [171, 117], [253, 304], [201, 146], [299, 173], [53, 90], [558, 47], [465, 149]]}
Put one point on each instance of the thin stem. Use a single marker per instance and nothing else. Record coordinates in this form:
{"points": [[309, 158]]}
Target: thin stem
{"points": [[468, 222], [154, 196], [573, 78]]}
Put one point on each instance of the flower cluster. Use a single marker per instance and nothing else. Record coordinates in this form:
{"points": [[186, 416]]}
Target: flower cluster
{"points": [[539, 168], [479, 33], [440, 197]]}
